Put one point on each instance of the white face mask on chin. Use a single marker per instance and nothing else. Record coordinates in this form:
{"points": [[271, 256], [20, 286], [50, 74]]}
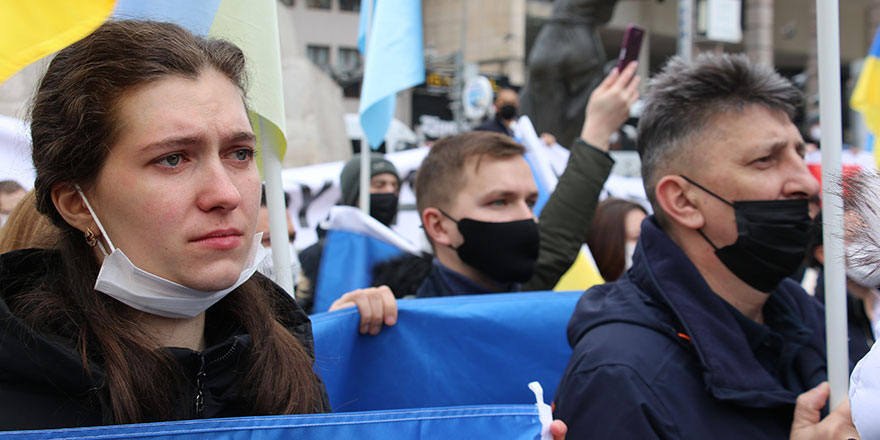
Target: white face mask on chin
{"points": [[141, 290]]}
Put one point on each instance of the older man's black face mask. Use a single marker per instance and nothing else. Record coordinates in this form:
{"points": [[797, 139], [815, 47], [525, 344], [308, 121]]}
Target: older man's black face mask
{"points": [[771, 240]]}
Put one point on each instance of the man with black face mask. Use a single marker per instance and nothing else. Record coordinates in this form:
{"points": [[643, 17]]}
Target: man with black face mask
{"points": [[704, 337], [384, 191], [475, 194], [506, 111]]}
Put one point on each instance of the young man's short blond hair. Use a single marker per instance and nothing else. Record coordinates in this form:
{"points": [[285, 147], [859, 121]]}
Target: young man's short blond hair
{"points": [[441, 176]]}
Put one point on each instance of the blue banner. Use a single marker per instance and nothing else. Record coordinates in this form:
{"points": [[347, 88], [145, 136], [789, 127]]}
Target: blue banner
{"points": [[452, 351], [516, 422]]}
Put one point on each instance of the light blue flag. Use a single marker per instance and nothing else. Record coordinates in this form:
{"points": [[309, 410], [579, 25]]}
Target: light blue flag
{"points": [[362, 25], [450, 351], [543, 191], [195, 15], [355, 242], [516, 422], [536, 155], [394, 62]]}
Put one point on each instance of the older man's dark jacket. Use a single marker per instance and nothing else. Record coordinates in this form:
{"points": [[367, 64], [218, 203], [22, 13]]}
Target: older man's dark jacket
{"points": [[659, 355]]}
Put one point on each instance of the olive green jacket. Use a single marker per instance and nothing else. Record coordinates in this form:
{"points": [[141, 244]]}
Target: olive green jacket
{"points": [[565, 219]]}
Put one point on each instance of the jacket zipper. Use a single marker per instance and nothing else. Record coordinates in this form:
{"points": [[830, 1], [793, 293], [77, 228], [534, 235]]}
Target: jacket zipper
{"points": [[200, 388]]}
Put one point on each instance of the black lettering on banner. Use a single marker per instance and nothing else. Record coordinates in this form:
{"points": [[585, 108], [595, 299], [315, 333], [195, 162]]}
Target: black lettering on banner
{"points": [[307, 200]]}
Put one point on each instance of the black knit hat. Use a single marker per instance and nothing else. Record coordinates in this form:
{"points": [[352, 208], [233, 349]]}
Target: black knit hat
{"points": [[349, 179]]}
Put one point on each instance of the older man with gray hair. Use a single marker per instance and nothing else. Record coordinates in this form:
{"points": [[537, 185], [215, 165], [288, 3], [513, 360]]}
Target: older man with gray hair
{"points": [[704, 337]]}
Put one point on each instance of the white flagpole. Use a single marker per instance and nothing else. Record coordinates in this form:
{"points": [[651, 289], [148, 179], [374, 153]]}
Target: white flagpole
{"points": [[685, 29], [277, 212], [828, 38], [366, 150]]}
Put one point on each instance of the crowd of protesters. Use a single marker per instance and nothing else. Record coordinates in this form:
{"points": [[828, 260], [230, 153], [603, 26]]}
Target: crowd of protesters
{"points": [[137, 264]]}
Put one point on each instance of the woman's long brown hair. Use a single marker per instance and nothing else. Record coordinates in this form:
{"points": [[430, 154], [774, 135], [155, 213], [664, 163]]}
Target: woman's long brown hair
{"points": [[607, 236], [73, 127]]}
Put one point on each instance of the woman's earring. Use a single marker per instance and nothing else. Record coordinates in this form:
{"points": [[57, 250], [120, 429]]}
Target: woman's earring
{"points": [[90, 238]]}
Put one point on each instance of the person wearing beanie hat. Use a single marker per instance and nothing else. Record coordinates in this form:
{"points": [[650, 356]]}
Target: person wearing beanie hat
{"points": [[384, 190], [384, 186], [349, 179]]}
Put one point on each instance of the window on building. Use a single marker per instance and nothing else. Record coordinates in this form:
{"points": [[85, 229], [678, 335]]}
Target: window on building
{"points": [[320, 55], [350, 5], [352, 90], [318, 4], [349, 59], [288, 2]]}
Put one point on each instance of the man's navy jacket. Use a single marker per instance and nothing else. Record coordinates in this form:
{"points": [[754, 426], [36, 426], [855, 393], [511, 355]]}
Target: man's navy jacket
{"points": [[658, 355]]}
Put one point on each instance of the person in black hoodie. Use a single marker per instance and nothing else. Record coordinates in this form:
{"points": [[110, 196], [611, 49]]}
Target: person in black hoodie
{"points": [[148, 308], [704, 337]]}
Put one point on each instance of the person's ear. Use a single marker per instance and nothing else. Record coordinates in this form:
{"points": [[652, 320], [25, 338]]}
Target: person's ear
{"points": [[435, 227], [72, 208], [676, 199], [819, 254]]}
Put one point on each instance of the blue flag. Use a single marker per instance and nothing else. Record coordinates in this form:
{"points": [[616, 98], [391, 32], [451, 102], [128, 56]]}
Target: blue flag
{"points": [[516, 422], [362, 25], [451, 351], [355, 242], [543, 191], [394, 61], [195, 16]]}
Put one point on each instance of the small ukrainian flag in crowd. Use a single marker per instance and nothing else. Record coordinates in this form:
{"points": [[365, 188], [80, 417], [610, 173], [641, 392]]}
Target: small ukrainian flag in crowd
{"points": [[866, 96]]}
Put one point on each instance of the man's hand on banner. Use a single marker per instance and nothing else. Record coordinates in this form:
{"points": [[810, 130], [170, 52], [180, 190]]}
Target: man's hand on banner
{"points": [[608, 107], [376, 305], [558, 430]]}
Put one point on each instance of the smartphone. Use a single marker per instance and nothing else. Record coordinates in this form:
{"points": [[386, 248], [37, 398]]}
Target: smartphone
{"points": [[629, 48]]}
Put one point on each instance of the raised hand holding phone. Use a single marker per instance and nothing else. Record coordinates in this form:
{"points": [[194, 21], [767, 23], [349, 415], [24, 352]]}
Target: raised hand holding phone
{"points": [[629, 48]]}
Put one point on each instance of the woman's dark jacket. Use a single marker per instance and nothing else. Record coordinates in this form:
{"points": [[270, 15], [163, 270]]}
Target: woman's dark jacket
{"points": [[43, 383]]}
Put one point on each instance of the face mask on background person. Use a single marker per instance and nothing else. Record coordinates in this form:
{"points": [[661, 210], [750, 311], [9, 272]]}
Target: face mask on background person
{"points": [[505, 251], [628, 250], [141, 290], [863, 275], [771, 240], [383, 207], [267, 267], [508, 111]]}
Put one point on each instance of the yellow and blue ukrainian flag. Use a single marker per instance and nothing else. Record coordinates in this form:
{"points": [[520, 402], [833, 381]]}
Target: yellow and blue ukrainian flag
{"points": [[35, 28], [866, 96]]}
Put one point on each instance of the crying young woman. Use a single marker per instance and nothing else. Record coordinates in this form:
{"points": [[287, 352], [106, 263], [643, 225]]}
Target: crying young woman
{"points": [[149, 308]]}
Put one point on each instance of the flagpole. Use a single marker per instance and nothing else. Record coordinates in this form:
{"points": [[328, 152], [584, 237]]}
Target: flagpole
{"points": [[277, 212], [685, 29], [366, 149], [828, 38]]}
